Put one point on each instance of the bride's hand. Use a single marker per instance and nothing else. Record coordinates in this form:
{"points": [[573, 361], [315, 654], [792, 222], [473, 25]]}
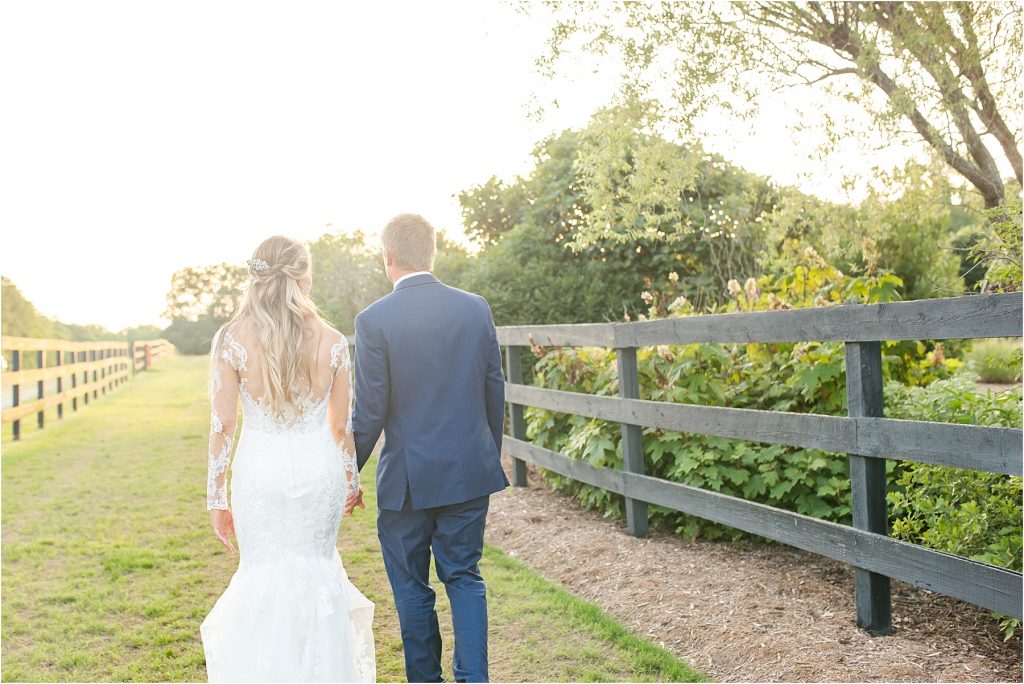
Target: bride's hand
{"points": [[223, 523], [353, 501]]}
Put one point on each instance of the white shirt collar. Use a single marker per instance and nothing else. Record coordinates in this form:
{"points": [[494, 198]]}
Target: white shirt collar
{"points": [[410, 275]]}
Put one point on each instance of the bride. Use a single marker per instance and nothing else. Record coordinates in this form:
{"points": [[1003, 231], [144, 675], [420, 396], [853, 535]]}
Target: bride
{"points": [[290, 612]]}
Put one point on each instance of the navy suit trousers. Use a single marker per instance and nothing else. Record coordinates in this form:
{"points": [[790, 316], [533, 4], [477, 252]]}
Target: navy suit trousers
{"points": [[455, 534]]}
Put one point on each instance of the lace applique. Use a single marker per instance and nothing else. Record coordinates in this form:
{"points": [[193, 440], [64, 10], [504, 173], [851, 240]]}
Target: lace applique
{"points": [[340, 349], [235, 353], [348, 462], [304, 416], [221, 441], [216, 491], [340, 358]]}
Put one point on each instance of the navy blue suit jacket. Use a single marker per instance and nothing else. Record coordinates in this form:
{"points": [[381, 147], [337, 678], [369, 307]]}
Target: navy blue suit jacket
{"points": [[428, 373]]}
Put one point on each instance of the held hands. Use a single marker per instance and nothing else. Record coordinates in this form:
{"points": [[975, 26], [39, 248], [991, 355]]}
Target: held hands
{"points": [[354, 500], [223, 523]]}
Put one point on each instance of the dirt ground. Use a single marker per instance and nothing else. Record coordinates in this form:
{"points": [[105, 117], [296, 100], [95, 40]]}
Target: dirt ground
{"points": [[750, 612]]}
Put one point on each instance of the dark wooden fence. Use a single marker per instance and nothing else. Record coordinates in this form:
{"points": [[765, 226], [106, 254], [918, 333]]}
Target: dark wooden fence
{"points": [[864, 434], [62, 372]]}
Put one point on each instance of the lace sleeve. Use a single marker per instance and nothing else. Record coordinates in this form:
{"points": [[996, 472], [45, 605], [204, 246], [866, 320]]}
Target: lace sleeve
{"points": [[223, 416], [341, 412]]}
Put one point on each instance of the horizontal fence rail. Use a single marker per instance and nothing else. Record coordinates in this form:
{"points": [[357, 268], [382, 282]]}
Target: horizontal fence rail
{"points": [[991, 315], [995, 450], [50, 374], [864, 435]]}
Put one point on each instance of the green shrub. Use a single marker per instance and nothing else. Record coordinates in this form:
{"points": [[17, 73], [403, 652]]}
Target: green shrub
{"points": [[996, 360], [1000, 249], [966, 512]]}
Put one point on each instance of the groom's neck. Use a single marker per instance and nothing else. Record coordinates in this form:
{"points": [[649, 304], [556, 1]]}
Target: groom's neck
{"points": [[397, 274]]}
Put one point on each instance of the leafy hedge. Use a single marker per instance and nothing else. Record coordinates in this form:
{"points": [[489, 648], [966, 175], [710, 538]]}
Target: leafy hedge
{"points": [[966, 512]]}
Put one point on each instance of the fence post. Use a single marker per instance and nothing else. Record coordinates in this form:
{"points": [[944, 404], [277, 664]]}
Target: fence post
{"points": [[41, 386], [868, 484], [632, 438], [514, 360], [16, 392], [93, 358], [58, 360], [74, 380]]}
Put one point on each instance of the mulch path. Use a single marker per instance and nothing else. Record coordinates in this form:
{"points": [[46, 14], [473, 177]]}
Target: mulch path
{"points": [[746, 612]]}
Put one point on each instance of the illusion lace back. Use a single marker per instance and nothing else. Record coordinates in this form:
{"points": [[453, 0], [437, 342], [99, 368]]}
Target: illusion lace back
{"points": [[290, 612]]}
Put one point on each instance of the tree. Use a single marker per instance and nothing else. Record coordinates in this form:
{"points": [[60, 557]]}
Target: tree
{"points": [[637, 185], [20, 318], [348, 274], [143, 332], [213, 291], [193, 336], [526, 269], [1001, 250], [453, 261], [912, 234], [548, 266], [491, 209], [948, 74], [347, 277], [200, 300]]}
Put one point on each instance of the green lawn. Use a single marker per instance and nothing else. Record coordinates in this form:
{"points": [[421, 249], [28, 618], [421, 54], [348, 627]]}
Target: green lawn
{"points": [[109, 564]]}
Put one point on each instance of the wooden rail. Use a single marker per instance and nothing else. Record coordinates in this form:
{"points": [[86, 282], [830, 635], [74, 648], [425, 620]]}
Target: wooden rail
{"points": [[864, 435], [61, 373]]}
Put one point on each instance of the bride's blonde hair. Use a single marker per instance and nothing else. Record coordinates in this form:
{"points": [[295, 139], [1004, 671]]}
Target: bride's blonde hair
{"points": [[281, 312]]}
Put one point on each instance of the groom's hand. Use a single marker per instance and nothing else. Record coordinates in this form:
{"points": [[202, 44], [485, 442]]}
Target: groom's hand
{"points": [[353, 501]]}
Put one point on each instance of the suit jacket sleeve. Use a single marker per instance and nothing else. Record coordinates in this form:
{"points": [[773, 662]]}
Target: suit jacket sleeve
{"points": [[494, 388], [372, 386]]}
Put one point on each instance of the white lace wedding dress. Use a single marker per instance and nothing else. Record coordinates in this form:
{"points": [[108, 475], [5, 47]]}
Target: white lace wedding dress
{"points": [[290, 612]]}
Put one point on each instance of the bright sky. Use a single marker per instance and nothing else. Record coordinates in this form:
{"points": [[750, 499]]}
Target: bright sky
{"points": [[140, 138]]}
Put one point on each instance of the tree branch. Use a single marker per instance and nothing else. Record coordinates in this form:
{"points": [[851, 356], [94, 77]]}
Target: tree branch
{"points": [[894, 17], [969, 62], [841, 39]]}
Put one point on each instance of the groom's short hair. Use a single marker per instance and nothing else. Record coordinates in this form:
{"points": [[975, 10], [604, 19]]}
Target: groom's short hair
{"points": [[410, 239]]}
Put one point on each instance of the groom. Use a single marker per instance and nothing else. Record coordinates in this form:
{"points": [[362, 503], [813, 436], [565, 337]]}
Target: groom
{"points": [[428, 373]]}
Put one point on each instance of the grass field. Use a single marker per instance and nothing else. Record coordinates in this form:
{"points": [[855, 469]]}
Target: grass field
{"points": [[109, 563]]}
